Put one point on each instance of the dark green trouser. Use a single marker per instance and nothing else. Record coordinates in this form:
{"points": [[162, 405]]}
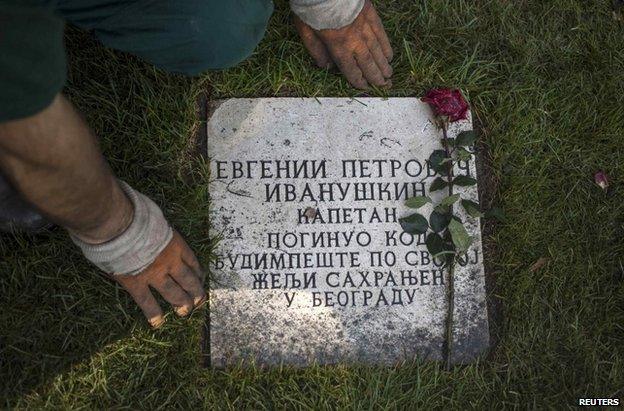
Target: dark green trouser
{"points": [[183, 36]]}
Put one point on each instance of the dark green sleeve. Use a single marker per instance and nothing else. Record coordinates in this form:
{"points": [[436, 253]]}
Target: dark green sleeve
{"points": [[32, 60]]}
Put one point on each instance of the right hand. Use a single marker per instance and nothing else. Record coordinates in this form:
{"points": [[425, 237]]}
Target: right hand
{"points": [[361, 50], [175, 274]]}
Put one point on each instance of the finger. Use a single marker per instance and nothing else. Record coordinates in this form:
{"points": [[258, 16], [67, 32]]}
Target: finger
{"points": [[144, 298], [313, 43], [175, 295], [188, 256], [349, 67], [375, 49], [189, 282], [369, 68], [377, 26]]}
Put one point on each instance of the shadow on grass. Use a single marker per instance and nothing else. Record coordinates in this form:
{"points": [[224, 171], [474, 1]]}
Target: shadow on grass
{"points": [[55, 311]]}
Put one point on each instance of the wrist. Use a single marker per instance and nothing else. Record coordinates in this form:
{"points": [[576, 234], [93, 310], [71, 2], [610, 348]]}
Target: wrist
{"points": [[138, 245], [114, 223], [327, 14]]}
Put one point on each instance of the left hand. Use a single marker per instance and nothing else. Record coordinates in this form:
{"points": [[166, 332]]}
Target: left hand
{"points": [[361, 49], [175, 274]]}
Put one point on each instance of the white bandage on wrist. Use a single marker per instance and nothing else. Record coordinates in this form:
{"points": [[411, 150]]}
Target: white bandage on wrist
{"points": [[138, 246], [327, 14]]}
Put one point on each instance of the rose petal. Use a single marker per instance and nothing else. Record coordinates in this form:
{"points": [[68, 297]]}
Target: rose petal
{"points": [[447, 102], [601, 180]]}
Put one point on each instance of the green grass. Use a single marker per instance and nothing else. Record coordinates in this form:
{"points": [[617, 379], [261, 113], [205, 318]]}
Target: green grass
{"points": [[546, 85]]}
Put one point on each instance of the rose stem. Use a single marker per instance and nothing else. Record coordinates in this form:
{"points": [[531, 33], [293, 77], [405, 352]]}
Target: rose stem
{"points": [[451, 287]]}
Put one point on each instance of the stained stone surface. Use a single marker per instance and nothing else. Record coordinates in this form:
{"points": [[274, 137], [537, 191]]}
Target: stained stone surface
{"points": [[312, 266]]}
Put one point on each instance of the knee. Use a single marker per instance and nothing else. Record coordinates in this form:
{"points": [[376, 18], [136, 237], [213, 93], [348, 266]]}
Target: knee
{"points": [[188, 37], [219, 40]]}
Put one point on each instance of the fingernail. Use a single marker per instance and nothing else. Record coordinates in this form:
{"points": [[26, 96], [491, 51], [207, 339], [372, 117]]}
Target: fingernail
{"points": [[156, 322], [323, 64], [199, 301], [182, 311]]}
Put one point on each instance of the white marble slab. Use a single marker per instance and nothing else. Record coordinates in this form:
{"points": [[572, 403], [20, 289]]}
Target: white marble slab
{"points": [[341, 169]]}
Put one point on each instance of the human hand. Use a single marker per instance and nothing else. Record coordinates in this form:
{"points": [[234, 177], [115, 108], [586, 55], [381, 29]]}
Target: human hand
{"points": [[175, 274], [361, 50]]}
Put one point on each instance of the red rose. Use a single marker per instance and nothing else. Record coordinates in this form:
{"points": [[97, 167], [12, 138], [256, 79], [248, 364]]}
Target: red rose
{"points": [[447, 102]]}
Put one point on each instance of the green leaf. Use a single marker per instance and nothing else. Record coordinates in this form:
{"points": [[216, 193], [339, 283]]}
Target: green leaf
{"points": [[447, 254], [435, 244], [460, 236], [450, 142], [438, 221], [436, 158], [463, 154], [496, 213], [436, 162], [450, 256], [417, 202], [414, 224], [473, 209], [466, 138], [442, 209], [450, 200], [464, 181], [437, 184]]}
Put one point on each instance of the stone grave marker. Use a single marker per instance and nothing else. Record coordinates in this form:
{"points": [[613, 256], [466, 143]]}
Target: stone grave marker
{"points": [[312, 265]]}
